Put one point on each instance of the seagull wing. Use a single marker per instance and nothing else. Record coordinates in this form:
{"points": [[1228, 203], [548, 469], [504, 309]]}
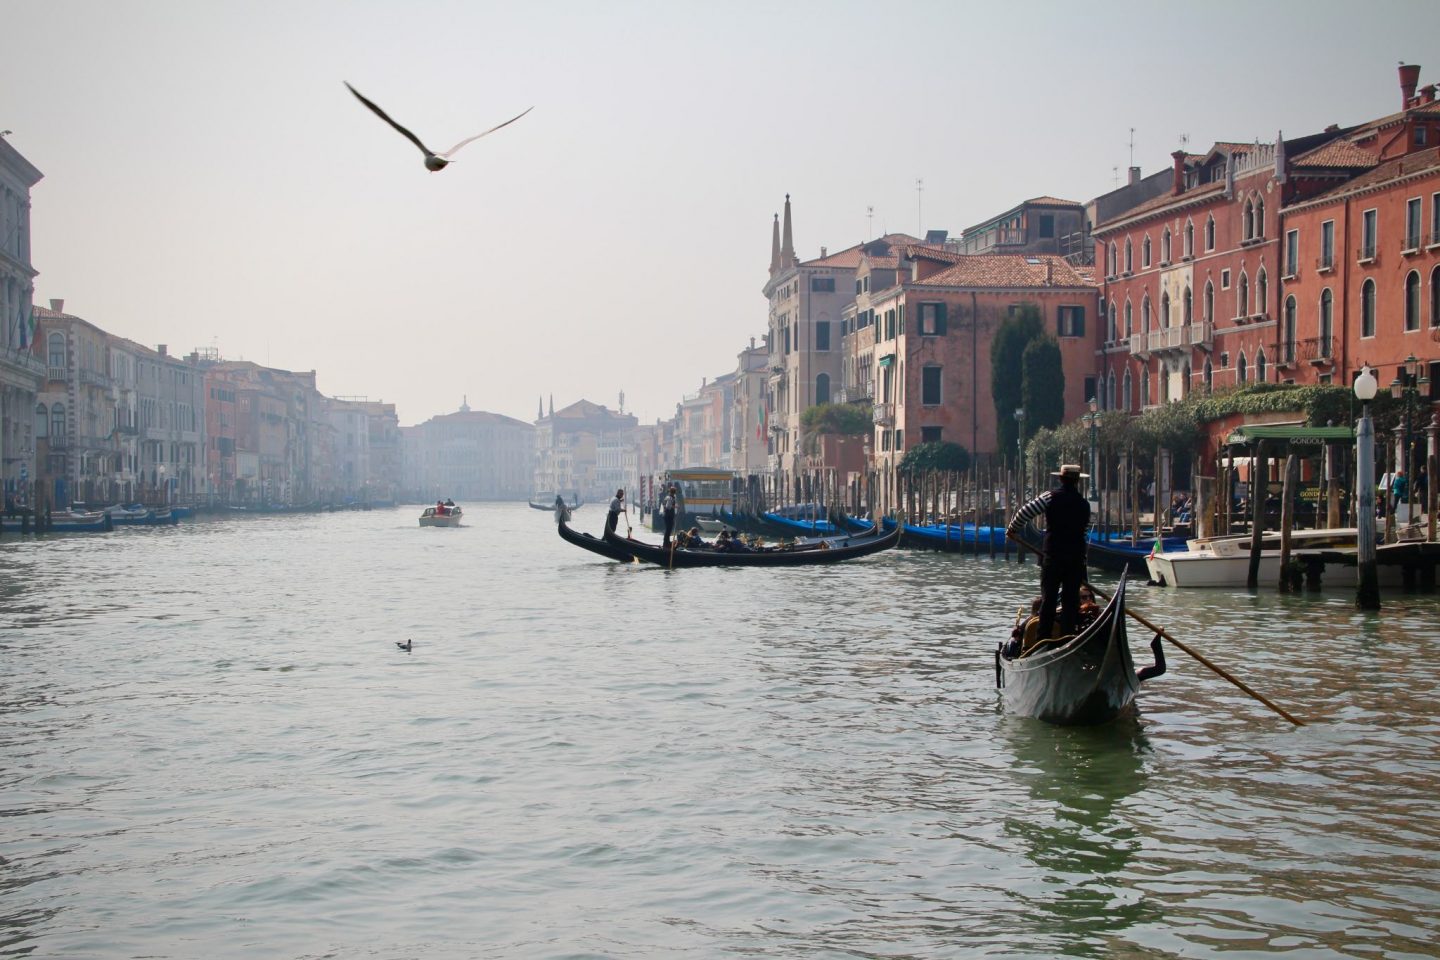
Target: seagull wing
{"points": [[452, 150], [386, 117]]}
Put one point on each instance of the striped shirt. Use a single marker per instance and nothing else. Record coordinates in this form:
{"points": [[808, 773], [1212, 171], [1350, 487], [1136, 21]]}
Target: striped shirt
{"points": [[1035, 509]]}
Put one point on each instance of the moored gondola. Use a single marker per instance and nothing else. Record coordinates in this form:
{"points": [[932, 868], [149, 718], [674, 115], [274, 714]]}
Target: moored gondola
{"points": [[833, 550], [1087, 679], [604, 548]]}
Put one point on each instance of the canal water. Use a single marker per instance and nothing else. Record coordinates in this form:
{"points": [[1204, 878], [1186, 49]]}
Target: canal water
{"points": [[211, 746]]}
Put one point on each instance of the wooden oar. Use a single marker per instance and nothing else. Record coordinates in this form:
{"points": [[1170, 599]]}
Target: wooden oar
{"points": [[1161, 631]]}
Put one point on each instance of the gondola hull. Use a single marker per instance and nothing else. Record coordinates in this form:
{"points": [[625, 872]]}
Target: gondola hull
{"points": [[1089, 680], [831, 551], [604, 548]]}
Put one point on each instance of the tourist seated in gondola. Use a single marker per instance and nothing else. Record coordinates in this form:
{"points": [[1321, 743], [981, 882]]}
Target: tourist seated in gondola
{"points": [[1089, 609], [723, 543], [691, 539], [1022, 625]]}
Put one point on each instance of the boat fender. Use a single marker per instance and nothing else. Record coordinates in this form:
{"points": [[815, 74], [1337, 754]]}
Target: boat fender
{"points": [[1158, 667]]}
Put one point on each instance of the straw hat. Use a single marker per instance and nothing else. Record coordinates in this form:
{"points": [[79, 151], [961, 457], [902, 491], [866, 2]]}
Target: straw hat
{"points": [[1070, 470]]}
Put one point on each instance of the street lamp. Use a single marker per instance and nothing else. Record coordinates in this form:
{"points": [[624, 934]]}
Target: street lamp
{"points": [[1093, 416], [1368, 587], [1407, 386], [1020, 448], [164, 487]]}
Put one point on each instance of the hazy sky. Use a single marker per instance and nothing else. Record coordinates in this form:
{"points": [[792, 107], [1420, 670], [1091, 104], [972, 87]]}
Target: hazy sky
{"points": [[210, 182]]}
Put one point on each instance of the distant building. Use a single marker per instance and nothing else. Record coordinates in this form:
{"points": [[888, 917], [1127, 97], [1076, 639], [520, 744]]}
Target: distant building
{"points": [[469, 455], [1039, 225], [579, 448], [21, 372], [748, 444]]}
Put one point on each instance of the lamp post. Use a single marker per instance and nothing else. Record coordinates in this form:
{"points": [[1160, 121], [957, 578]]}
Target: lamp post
{"points": [[164, 487], [1020, 449], [1407, 386], [1368, 593], [1093, 416]]}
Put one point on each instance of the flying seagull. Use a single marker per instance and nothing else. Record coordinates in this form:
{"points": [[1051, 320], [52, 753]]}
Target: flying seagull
{"points": [[434, 162], [406, 645]]}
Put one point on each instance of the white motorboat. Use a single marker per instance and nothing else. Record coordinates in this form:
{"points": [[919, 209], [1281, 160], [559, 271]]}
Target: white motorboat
{"points": [[442, 515], [1225, 561]]}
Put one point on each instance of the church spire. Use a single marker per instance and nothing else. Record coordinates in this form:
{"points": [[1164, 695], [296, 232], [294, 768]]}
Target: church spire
{"points": [[552, 404], [540, 408], [787, 245], [775, 246]]}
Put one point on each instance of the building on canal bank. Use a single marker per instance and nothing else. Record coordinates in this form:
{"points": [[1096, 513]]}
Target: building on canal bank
{"points": [[22, 374], [469, 455]]}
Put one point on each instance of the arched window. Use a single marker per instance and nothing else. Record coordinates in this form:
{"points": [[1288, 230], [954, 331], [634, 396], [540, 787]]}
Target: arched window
{"points": [[1189, 239], [1327, 321], [1241, 368], [42, 421], [56, 344], [1114, 258], [1144, 388], [1209, 306], [1185, 385], [1243, 297], [57, 421], [1129, 319], [1125, 393], [1210, 233], [1165, 246], [1163, 378], [1260, 217], [1145, 251], [1189, 307], [1209, 375], [1367, 309], [1110, 391], [822, 388], [1262, 291], [1435, 298], [1260, 366], [1412, 301], [1247, 220], [1129, 256], [1114, 334], [1165, 309], [1287, 334], [1145, 314]]}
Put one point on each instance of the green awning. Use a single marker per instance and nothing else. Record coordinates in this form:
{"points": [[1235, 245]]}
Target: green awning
{"points": [[1297, 436], [887, 360]]}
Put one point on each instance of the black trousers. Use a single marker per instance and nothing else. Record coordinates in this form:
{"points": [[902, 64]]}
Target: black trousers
{"points": [[669, 525], [1060, 578], [611, 518]]}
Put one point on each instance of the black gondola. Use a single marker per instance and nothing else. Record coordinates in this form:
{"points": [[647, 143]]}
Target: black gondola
{"points": [[546, 502], [605, 548], [831, 550], [1085, 680]]}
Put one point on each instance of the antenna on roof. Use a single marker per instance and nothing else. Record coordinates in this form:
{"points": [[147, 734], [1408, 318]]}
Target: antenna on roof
{"points": [[1184, 140], [919, 206], [1132, 146], [1115, 175], [869, 221]]}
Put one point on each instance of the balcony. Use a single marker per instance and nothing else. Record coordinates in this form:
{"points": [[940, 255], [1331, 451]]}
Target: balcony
{"points": [[25, 361], [1201, 335], [57, 373], [1366, 253], [1412, 245], [1434, 239], [1139, 342], [1167, 339], [94, 378], [1325, 263], [1316, 351], [885, 414]]}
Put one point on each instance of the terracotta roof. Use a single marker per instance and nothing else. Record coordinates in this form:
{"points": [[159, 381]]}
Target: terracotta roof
{"points": [[1052, 201], [1166, 199], [45, 313], [1007, 270], [883, 263], [1336, 153], [920, 250], [1426, 161], [850, 256]]}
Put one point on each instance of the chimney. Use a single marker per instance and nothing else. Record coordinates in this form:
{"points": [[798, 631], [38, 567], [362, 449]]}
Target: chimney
{"points": [[822, 253], [1427, 93], [1178, 186], [1409, 77], [1049, 271], [1280, 156], [1134, 176], [57, 305], [160, 349]]}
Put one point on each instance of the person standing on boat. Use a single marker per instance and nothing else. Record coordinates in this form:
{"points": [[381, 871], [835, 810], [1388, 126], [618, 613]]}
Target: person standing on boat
{"points": [[1062, 566], [667, 509], [617, 507]]}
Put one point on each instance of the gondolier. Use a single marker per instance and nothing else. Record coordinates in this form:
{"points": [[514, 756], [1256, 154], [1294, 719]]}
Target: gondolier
{"points": [[617, 507], [1062, 567], [667, 509]]}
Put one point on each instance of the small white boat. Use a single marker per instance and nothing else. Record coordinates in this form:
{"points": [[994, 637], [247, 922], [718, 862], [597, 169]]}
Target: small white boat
{"points": [[710, 525], [1225, 561], [442, 516]]}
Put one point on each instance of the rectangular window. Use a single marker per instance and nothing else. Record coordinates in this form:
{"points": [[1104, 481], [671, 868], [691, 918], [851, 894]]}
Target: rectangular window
{"points": [[822, 335], [1090, 389], [932, 319], [1327, 245], [1369, 235], [1047, 225], [930, 386], [1434, 218], [1071, 322], [822, 284], [931, 434], [1224, 279], [1419, 136], [1412, 224], [1292, 253]]}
